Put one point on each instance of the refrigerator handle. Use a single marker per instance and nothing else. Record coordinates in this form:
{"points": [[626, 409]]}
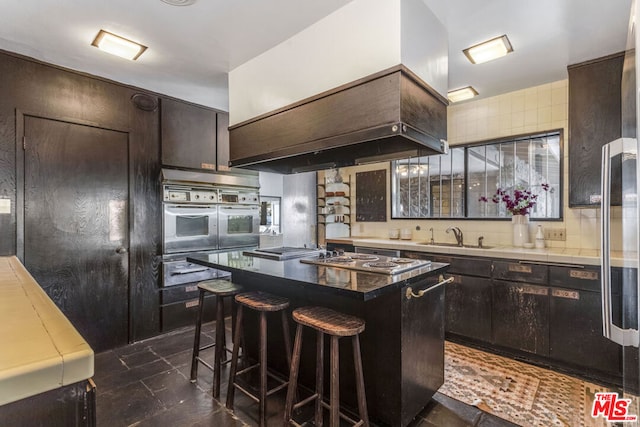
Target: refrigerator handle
{"points": [[625, 337]]}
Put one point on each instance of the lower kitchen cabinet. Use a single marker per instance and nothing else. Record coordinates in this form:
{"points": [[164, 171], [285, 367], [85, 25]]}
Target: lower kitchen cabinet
{"points": [[179, 307], [520, 316], [468, 298], [576, 319], [468, 307]]}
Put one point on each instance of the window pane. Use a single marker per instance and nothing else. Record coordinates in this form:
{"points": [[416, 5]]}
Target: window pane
{"points": [[435, 187]]}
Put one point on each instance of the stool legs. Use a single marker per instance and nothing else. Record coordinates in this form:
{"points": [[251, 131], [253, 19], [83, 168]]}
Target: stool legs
{"points": [[362, 399], [220, 346], [334, 397], [293, 375], [234, 357], [319, 377], [196, 341]]}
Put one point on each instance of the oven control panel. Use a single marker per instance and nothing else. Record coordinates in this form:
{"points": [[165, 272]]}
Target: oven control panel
{"points": [[190, 195], [239, 197]]}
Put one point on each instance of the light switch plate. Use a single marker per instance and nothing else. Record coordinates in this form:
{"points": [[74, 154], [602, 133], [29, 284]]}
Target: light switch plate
{"points": [[5, 206]]}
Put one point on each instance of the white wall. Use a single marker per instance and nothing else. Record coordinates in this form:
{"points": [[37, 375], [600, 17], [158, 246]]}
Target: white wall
{"points": [[359, 39]]}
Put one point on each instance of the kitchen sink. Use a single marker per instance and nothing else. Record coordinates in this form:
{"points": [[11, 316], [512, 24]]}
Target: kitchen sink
{"points": [[455, 245]]}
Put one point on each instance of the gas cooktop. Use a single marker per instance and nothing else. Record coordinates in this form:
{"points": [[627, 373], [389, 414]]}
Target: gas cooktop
{"points": [[369, 263]]}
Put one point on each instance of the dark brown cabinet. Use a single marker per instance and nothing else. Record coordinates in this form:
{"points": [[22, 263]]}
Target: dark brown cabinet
{"points": [[575, 331], [222, 145], [595, 119], [188, 134], [468, 298]]}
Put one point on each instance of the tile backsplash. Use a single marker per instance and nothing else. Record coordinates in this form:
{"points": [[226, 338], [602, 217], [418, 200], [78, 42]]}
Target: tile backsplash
{"points": [[536, 109]]}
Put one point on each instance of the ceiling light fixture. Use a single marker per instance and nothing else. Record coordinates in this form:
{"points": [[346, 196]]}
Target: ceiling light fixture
{"points": [[179, 2], [489, 50], [462, 94], [118, 46]]}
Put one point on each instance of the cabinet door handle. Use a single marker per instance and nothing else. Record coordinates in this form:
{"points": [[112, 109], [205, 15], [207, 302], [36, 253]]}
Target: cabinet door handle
{"points": [[442, 281], [533, 290]]}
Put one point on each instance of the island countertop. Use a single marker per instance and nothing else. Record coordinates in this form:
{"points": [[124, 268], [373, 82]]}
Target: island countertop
{"points": [[340, 281]]}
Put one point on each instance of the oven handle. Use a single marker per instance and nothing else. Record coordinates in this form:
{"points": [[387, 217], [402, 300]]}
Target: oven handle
{"points": [[253, 208]]}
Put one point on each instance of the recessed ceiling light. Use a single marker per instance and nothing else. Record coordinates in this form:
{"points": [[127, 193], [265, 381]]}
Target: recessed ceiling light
{"points": [[461, 94], [491, 49], [117, 45], [179, 2]]}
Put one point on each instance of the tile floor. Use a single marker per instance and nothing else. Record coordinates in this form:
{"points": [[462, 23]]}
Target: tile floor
{"points": [[147, 384]]}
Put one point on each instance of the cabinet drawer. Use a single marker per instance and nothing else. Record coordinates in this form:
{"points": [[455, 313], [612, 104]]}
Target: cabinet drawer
{"points": [[179, 293], [457, 265], [582, 278], [520, 272], [184, 313]]}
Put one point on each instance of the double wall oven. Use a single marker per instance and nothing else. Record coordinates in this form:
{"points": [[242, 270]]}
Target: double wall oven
{"points": [[201, 218]]}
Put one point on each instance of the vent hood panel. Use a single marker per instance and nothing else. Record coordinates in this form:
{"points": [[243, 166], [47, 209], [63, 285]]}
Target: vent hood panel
{"points": [[380, 117]]}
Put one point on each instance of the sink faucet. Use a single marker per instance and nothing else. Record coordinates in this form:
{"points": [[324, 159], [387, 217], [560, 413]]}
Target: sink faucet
{"points": [[432, 240], [458, 233]]}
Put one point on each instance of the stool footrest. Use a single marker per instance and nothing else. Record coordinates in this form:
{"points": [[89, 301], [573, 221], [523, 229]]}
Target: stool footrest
{"points": [[208, 346], [344, 416], [305, 401], [247, 392], [206, 364]]}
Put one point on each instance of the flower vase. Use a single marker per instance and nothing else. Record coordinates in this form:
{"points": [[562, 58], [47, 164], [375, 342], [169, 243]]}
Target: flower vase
{"points": [[520, 230]]}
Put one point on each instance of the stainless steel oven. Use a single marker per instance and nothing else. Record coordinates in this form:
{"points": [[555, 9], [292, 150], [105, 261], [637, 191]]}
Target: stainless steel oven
{"points": [[190, 219], [239, 226]]}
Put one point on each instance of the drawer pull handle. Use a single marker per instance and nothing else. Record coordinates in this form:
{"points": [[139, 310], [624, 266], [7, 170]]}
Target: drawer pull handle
{"points": [[533, 290], [518, 268], [563, 293], [191, 288], [410, 294], [581, 274]]}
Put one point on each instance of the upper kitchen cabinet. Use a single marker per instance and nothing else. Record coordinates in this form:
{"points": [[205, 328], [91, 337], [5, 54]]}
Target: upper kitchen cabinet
{"points": [[188, 135], [222, 146], [594, 120]]}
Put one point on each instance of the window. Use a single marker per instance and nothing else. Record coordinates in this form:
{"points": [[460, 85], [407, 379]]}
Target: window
{"points": [[451, 185]]}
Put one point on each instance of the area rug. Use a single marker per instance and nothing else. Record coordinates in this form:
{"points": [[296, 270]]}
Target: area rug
{"points": [[518, 392]]}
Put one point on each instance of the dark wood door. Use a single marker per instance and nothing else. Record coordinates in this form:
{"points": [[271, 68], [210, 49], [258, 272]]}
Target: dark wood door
{"points": [[76, 226]]}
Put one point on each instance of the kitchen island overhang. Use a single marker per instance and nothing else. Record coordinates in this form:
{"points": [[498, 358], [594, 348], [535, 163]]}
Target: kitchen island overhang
{"points": [[402, 344]]}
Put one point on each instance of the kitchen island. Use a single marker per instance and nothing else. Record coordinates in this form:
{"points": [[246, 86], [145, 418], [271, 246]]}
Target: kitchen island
{"points": [[403, 342]]}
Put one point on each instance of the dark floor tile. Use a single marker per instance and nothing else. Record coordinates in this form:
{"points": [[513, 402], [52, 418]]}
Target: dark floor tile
{"points": [[198, 407], [180, 359], [139, 358], [121, 379], [488, 420], [221, 418], [126, 406], [107, 363], [177, 343], [440, 415], [468, 413], [173, 388]]}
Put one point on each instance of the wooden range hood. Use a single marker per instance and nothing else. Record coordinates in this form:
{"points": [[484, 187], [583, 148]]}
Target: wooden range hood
{"points": [[391, 114]]}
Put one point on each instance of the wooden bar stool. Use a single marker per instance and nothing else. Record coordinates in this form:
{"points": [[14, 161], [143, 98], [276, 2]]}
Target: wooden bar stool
{"points": [[336, 325], [221, 289], [263, 303]]}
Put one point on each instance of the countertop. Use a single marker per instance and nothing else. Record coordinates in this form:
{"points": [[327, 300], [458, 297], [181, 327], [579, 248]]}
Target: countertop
{"points": [[40, 348], [351, 283], [550, 255]]}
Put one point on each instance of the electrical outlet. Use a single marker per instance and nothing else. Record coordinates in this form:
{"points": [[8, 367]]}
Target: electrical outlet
{"points": [[555, 234]]}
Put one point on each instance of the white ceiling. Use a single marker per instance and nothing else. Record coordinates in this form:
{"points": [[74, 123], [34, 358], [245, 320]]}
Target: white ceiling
{"points": [[192, 48]]}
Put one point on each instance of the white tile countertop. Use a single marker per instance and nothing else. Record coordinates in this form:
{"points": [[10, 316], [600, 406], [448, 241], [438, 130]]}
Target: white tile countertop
{"points": [[550, 255], [40, 350]]}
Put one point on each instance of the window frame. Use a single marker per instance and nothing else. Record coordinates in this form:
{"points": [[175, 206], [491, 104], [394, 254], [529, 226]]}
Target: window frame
{"points": [[466, 146]]}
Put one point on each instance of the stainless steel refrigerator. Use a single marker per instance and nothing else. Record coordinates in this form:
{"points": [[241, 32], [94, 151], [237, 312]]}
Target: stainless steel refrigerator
{"points": [[619, 227]]}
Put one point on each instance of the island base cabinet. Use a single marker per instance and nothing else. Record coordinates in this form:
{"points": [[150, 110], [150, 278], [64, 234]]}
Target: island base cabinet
{"points": [[422, 350], [521, 317], [576, 331], [468, 307], [72, 405]]}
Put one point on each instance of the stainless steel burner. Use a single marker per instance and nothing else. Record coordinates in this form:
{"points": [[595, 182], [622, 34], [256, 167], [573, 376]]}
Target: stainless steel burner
{"points": [[381, 264], [341, 259], [365, 257], [401, 260], [365, 262]]}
